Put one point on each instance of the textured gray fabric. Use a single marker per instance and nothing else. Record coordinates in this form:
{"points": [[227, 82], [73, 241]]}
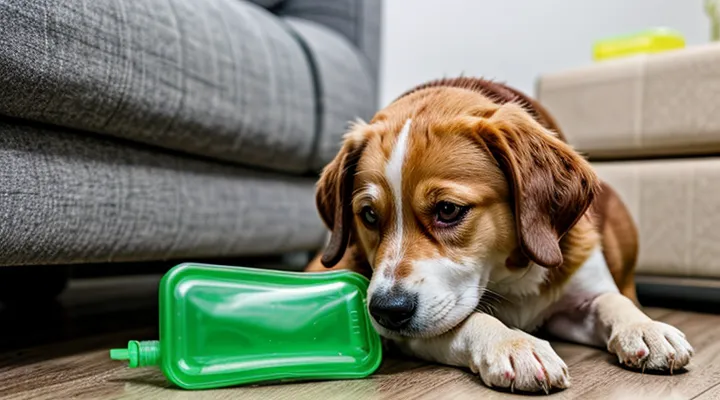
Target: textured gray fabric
{"points": [[76, 198], [344, 86], [267, 3], [357, 20], [221, 78]]}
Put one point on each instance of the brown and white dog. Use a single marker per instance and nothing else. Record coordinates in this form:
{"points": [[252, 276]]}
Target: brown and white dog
{"points": [[477, 224]]}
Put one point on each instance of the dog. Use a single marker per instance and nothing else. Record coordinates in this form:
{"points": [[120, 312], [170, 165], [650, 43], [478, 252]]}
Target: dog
{"points": [[478, 225]]}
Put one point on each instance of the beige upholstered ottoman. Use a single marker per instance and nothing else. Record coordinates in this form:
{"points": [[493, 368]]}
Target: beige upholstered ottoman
{"points": [[676, 205], [651, 126], [665, 104]]}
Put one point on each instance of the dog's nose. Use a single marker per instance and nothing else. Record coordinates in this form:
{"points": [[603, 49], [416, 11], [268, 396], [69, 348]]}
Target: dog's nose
{"points": [[393, 310]]}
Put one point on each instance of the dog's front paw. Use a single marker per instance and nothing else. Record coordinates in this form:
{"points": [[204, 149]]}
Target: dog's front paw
{"points": [[650, 345], [520, 362]]}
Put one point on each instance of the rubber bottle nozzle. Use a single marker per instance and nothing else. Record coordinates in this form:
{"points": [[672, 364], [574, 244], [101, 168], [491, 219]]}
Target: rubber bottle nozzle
{"points": [[119, 354], [138, 354]]}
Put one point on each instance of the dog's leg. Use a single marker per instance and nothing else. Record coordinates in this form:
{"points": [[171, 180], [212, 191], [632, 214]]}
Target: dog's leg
{"points": [[596, 313], [503, 357], [637, 340]]}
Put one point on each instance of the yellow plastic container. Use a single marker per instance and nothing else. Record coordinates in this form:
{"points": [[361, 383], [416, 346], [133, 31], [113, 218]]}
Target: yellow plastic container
{"points": [[650, 41]]}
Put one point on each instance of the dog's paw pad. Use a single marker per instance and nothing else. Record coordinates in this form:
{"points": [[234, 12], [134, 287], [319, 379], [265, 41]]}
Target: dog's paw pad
{"points": [[650, 345], [521, 363]]}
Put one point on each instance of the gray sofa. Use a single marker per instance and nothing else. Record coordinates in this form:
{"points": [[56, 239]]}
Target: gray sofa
{"points": [[146, 130]]}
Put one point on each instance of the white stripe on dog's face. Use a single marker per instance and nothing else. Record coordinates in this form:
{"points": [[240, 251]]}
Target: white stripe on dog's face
{"points": [[393, 174]]}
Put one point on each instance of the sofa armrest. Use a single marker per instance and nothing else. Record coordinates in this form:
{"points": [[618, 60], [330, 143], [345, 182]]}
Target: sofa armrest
{"points": [[341, 39], [357, 20]]}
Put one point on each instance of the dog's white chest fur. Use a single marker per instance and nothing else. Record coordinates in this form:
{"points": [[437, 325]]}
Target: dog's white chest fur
{"points": [[523, 305]]}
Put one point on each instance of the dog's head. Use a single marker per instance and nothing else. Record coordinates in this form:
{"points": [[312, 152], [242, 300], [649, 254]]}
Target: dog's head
{"points": [[444, 190]]}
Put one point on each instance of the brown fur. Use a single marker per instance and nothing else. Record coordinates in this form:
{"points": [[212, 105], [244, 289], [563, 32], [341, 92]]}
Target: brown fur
{"points": [[354, 260], [547, 185], [619, 239], [430, 175]]}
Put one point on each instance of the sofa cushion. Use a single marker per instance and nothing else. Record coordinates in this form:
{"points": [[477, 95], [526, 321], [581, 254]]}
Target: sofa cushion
{"points": [[651, 105], [676, 204], [219, 78], [75, 198], [359, 21]]}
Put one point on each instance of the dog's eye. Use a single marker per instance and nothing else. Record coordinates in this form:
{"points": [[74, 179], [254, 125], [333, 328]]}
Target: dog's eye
{"points": [[369, 216], [449, 213]]}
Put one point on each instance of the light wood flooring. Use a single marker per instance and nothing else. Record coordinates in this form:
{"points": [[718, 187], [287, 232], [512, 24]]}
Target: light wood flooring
{"points": [[60, 352]]}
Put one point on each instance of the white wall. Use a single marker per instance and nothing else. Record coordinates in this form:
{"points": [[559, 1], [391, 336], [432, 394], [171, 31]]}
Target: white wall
{"points": [[513, 40]]}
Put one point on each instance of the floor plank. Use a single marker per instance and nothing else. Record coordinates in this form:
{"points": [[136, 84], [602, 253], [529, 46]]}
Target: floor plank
{"points": [[712, 393], [79, 367]]}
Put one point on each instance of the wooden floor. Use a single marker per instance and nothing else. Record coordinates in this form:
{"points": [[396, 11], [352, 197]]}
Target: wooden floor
{"points": [[60, 352]]}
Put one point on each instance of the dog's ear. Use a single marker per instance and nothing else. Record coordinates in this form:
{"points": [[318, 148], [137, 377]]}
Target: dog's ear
{"points": [[551, 185], [333, 195]]}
